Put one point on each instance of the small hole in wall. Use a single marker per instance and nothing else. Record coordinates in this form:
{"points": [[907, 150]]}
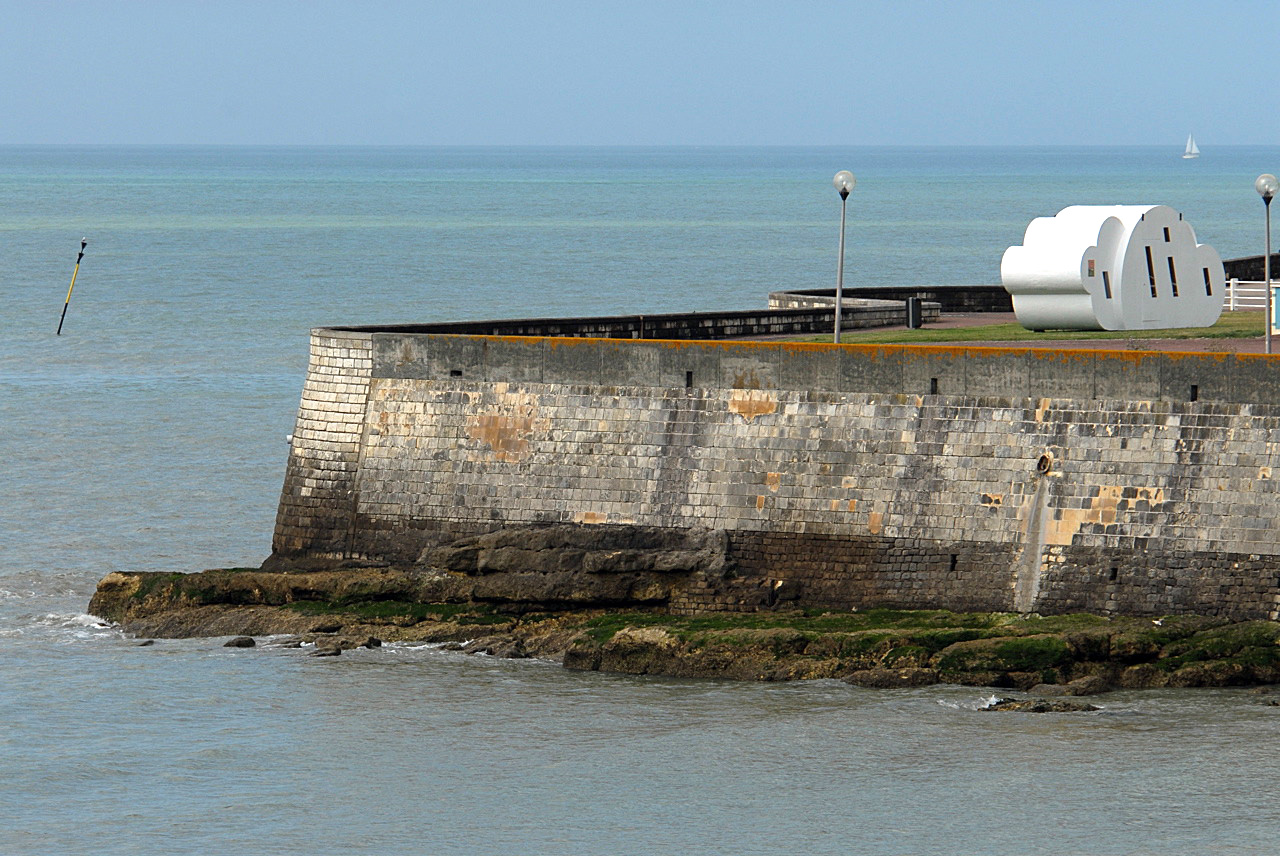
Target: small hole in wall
{"points": [[1195, 392], [1045, 464], [933, 386], [688, 380], [1115, 572], [954, 557], [455, 372]]}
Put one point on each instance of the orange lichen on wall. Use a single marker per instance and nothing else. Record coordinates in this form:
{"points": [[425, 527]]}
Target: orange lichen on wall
{"points": [[506, 431], [1076, 355], [772, 481], [750, 403], [875, 352], [875, 522], [1103, 510]]}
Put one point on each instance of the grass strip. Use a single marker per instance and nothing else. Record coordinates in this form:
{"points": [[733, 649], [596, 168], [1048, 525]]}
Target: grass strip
{"points": [[1232, 325]]}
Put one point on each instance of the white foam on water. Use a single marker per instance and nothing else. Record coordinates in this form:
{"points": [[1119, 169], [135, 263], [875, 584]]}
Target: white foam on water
{"points": [[984, 703], [75, 627]]}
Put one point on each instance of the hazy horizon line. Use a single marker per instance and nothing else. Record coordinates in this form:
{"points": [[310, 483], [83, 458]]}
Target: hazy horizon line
{"points": [[16, 145]]}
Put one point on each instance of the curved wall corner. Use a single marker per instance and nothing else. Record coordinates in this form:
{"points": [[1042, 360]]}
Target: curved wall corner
{"points": [[318, 500]]}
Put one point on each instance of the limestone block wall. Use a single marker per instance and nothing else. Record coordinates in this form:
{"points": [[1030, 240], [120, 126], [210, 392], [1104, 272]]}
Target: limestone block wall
{"points": [[917, 477]]}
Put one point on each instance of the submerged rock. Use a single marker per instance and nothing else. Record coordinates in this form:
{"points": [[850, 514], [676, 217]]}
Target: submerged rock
{"points": [[1041, 705], [240, 642]]}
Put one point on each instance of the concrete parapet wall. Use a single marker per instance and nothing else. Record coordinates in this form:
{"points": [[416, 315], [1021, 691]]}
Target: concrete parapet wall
{"points": [[969, 478], [815, 316], [890, 369], [950, 298], [1251, 268]]}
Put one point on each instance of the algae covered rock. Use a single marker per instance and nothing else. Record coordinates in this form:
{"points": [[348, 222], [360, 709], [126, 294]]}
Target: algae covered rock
{"points": [[608, 610], [883, 679], [1028, 655]]}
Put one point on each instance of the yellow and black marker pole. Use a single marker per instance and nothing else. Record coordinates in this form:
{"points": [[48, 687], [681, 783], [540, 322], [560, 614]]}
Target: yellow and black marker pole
{"points": [[83, 243]]}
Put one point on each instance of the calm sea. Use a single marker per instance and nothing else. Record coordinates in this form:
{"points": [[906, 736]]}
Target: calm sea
{"points": [[150, 435]]}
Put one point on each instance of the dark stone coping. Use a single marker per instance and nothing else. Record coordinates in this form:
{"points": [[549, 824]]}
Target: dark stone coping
{"points": [[694, 326]]}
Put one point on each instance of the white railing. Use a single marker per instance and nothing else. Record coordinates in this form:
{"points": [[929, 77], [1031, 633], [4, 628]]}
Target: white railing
{"points": [[1242, 294]]}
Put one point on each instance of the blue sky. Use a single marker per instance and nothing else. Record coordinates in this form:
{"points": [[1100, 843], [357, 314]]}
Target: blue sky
{"points": [[646, 72]]}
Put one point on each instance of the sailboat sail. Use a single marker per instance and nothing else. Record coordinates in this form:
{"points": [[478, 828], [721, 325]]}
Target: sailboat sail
{"points": [[1193, 151]]}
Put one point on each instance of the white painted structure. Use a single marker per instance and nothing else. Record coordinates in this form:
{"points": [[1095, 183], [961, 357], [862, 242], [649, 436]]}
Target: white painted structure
{"points": [[1113, 267]]}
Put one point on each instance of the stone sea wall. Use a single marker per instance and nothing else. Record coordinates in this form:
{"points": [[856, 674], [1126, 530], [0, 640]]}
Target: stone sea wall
{"points": [[843, 477]]}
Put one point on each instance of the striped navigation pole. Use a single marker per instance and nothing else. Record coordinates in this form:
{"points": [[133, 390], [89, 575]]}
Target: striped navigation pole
{"points": [[83, 243]]}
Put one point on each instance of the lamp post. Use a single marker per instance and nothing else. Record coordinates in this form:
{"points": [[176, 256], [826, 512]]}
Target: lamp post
{"points": [[1267, 185], [844, 182]]}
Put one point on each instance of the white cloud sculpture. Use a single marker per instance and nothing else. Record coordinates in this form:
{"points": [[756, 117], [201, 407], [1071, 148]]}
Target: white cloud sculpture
{"points": [[1113, 267]]}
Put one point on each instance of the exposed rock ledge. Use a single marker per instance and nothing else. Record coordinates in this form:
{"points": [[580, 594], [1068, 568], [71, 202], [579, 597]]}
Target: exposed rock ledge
{"points": [[605, 609]]}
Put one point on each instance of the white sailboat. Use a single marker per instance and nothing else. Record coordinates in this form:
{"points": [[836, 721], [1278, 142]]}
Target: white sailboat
{"points": [[1192, 151]]}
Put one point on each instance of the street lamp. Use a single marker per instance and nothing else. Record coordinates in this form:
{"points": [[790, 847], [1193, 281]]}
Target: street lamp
{"points": [[844, 182], [1267, 185]]}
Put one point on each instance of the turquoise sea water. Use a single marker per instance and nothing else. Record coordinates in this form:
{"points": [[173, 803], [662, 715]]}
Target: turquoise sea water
{"points": [[151, 435]]}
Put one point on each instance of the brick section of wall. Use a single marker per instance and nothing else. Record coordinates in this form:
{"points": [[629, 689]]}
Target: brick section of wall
{"points": [[1160, 578], [851, 495], [842, 572], [319, 495]]}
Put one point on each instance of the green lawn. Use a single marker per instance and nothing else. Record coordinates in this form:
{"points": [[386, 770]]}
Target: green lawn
{"points": [[1232, 325]]}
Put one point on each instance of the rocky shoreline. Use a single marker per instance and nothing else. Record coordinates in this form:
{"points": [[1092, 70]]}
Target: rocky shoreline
{"points": [[342, 608]]}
